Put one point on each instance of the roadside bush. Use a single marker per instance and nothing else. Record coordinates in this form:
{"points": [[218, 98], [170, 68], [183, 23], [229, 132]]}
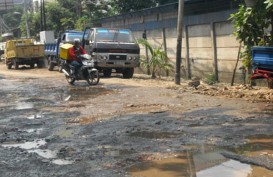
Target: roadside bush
{"points": [[158, 59], [210, 79]]}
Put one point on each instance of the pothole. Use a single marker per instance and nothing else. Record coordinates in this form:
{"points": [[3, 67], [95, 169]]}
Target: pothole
{"points": [[110, 151], [258, 145], [26, 145], [154, 135], [23, 106], [81, 93], [200, 164], [36, 116], [33, 147]]}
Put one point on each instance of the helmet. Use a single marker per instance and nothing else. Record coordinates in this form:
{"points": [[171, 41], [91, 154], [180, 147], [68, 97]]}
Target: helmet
{"points": [[77, 42]]}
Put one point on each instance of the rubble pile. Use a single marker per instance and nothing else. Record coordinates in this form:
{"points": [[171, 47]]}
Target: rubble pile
{"points": [[242, 91]]}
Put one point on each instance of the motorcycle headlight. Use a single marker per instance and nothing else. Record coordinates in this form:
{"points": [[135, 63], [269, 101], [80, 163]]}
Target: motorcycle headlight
{"points": [[105, 57]]}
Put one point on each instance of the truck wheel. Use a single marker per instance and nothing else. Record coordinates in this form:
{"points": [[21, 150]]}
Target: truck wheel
{"points": [[50, 66], [107, 72], [16, 65], [128, 73], [31, 65], [40, 64], [9, 66]]}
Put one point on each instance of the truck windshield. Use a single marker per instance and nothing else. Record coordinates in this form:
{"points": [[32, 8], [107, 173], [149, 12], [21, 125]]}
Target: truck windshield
{"points": [[114, 35], [72, 36]]}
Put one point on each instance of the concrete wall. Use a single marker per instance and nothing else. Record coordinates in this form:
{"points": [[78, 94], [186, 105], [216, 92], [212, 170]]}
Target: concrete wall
{"points": [[208, 44]]}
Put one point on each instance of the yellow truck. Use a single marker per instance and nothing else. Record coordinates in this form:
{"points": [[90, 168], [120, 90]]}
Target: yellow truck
{"points": [[23, 52]]}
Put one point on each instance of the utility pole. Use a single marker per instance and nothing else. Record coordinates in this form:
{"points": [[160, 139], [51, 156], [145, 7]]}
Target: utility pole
{"points": [[44, 15], [26, 14], [41, 17], [179, 41]]}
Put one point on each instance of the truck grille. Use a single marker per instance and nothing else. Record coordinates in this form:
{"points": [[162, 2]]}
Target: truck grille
{"points": [[117, 57]]}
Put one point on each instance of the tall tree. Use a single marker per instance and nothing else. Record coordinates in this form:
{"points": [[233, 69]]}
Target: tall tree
{"points": [[11, 17], [251, 26], [124, 6], [95, 10], [34, 25], [59, 18], [161, 2]]}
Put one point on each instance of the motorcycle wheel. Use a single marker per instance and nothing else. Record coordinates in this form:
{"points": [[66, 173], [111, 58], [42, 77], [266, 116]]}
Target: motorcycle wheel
{"points": [[70, 80], [50, 66], [93, 78], [61, 66]]}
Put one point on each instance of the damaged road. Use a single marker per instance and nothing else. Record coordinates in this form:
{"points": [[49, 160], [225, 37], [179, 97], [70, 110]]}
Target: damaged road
{"points": [[135, 127]]}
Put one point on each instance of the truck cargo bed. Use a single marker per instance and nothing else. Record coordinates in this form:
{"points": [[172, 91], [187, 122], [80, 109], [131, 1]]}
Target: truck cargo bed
{"points": [[26, 51]]}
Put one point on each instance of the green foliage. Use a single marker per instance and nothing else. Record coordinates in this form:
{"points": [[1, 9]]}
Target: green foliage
{"points": [[12, 19], [70, 14], [210, 79], [251, 27], [68, 4], [125, 6], [166, 1], [158, 59], [67, 14], [81, 23], [59, 18], [33, 23], [96, 11]]}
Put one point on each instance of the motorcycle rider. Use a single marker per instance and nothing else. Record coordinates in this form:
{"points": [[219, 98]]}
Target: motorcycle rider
{"points": [[74, 53]]}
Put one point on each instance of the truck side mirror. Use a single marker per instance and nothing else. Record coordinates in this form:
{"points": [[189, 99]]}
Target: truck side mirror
{"points": [[144, 36]]}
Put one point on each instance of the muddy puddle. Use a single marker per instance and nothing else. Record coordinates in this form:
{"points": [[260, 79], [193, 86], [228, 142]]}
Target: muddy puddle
{"points": [[34, 147], [258, 145], [26, 145], [114, 151], [154, 135], [203, 163], [82, 93]]}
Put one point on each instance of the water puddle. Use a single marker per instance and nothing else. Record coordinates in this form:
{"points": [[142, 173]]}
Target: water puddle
{"points": [[65, 133], [33, 147], [32, 130], [62, 162], [36, 116], [258, 145], [116, 151], [81, 93], [24, 105], [47, 154], [198, 164], [154, 135], [26, 145]]}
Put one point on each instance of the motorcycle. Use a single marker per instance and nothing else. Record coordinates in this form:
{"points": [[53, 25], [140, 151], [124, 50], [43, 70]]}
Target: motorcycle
{"points": [[86, 72]]}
